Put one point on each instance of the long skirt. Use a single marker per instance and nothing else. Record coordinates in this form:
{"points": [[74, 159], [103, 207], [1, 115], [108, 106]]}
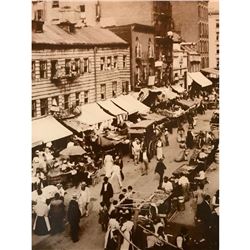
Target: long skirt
{"points": [[159, 153], [125, 244], [116, 183], [41, 225]]}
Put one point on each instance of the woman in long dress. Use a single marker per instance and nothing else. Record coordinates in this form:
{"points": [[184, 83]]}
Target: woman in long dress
{"points": [[116, 179], [108, 165], [127, 231], [113, 225], [159, 152], [41, 225]]}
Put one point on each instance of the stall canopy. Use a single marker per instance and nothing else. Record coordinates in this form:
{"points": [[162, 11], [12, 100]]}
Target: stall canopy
{"points": [[142, 108], [211, 71], [47, 129], [76, 125], [200, 79], [178, 89], [110, 107], [130, 104], [155, 117], [92, 114], [169, 93]]}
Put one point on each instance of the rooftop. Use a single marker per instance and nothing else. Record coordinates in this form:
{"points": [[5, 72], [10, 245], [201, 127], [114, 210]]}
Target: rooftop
{"points": [[54, 35]]}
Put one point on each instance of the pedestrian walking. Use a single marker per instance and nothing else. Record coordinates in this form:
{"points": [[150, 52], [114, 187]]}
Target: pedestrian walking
{"points": [[199, 195], [74, 215], [84, 199], [126, 229], [166, 133], [145, 162], [108, 165], [206, 216], [111, 233], [103, 216], [136, 149], [116, 179], [41, 224], [160, 169], [159, 151], [57, 214], [190, 139], [118, 161], [106, 192]]}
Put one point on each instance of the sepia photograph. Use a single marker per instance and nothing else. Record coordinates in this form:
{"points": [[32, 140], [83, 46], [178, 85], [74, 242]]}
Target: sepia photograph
{"points": [[125, 125]]}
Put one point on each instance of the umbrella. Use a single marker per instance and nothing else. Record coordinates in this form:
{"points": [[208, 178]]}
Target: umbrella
{"points": [[72, 151]]}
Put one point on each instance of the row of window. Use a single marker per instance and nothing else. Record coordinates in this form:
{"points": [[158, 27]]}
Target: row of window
{"points": [[203, 28], [203, 47], [204, 62], [77, 66], [44, 107], [138, 48], [202, 12]]}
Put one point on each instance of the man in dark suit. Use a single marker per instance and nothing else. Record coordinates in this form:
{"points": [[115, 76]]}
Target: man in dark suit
{"points": [[106, 192], [206, 216]]}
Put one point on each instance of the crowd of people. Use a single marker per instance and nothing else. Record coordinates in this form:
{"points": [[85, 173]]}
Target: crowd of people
{"points": [[117, 210]]}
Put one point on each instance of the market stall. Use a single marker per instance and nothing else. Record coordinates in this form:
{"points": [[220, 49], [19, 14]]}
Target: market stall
{"points": [[48, 129], [99, 121], [120, 114]]}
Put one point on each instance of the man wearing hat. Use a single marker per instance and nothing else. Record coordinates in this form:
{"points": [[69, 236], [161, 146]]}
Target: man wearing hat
{"points": [[74, 216]]}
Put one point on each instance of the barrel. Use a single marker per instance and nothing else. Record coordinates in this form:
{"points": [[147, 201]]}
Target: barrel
{"points": [[181, 203]]}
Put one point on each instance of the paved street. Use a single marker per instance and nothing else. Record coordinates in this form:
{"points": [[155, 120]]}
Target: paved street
{"points": [[91, 236]]}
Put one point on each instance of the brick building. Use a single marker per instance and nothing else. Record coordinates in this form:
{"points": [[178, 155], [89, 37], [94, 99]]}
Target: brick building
{"points": [[142, 56], [190, 20]]}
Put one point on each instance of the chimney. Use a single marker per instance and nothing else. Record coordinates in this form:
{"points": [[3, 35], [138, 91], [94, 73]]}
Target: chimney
{"points": [[37, 26]]}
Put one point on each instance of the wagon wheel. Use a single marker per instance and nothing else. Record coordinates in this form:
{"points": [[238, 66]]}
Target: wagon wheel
{"points": [[151, 149]]}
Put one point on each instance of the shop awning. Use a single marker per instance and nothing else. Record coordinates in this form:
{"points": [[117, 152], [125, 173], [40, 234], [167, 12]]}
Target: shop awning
{"points": [[110, 107], [169, 93], [155, 117], [200, 79], [76, 125], [211, 71], [92, 114], [122, 103], [142, 108], [47, 129], [178, 89], [130, 104]]}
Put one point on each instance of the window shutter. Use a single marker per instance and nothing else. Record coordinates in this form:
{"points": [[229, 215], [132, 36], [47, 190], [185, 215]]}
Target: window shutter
{"points": [[89, 65]]}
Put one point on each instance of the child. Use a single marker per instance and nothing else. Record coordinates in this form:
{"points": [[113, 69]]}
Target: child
{"points": [[103, 217]]}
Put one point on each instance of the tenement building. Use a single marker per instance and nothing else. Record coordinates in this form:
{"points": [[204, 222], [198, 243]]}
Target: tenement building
{"points": [[214, 38], [193, 25], [73, 66]]}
